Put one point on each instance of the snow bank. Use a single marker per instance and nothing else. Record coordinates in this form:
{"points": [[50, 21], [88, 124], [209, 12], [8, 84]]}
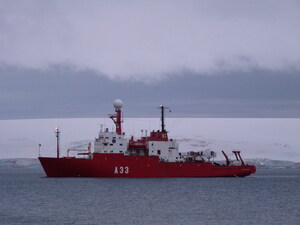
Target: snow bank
{"points": [[19, 163], [276, 139]]}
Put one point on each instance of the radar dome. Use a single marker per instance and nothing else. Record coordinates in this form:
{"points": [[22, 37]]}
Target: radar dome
{"points": [[118, 104]]}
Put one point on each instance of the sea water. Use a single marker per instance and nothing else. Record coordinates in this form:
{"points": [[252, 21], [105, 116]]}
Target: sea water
{"points": [[271, 196]]}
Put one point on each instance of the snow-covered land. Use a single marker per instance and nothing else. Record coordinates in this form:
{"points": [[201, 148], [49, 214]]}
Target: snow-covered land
{"points": [[276, 139], [20, 163], [268, 163]]}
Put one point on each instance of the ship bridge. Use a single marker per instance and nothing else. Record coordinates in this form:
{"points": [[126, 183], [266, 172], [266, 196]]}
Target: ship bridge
{"points": [[110, 142]]}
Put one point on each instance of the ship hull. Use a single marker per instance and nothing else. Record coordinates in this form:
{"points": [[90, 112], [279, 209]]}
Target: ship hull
{"points": [[119, 165]]}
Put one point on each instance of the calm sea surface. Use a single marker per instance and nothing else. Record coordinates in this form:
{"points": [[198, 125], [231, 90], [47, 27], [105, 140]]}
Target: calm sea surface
{"points": [[268, 197]]}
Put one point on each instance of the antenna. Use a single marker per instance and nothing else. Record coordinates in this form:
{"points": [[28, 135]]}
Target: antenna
{"points": [[57, 141], [162, 118]]}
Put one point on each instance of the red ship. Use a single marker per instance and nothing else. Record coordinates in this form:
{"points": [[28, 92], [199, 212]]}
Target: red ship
{"points": [[155, 155]]}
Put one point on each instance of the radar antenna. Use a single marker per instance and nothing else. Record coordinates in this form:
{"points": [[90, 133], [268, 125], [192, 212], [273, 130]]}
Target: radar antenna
{"points": [[116, 118]]}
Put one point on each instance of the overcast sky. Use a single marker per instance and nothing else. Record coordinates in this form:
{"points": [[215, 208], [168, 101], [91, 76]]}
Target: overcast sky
{"points": [[230, 58]]}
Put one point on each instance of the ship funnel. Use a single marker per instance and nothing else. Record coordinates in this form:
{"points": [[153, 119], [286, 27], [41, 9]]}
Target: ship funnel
{"points": [[118, 104]]}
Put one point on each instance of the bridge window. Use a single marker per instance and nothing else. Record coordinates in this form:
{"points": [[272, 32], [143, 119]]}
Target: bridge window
{"points": [[158, 152]]}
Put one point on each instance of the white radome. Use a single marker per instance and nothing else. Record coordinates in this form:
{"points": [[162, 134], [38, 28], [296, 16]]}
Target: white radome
{"points": [[118, 104]]}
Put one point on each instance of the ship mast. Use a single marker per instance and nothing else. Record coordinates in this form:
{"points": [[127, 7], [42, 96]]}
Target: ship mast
{"points": [[117, 118], [162, 117], [57, 141]]}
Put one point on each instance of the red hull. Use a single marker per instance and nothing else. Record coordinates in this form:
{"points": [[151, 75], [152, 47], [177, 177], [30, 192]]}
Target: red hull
{"points": [[118, 165]]}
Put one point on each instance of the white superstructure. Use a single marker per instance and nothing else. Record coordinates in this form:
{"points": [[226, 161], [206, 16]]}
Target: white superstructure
{"points": [[110, 142], [157, 144]]}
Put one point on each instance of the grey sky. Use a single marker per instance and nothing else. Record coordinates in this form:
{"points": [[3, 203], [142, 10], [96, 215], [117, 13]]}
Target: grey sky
{"points": [[149, 38], [228, 58]]}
